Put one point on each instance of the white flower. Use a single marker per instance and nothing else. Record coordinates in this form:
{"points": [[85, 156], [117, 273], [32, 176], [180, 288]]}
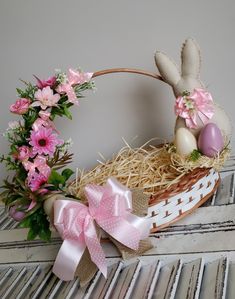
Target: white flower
{"points": [[13, 125], [60, 77], [66, 145]]}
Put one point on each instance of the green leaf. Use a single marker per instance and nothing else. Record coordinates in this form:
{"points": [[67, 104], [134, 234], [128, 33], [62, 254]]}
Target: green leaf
{"points": [[32, 234], [25, 222], [45, 234], [56, 179], [56, 111], [38, 225], [195, 155], [67, 112], [66, 173]]}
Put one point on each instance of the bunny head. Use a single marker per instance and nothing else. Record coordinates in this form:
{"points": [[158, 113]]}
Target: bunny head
{"points": [[188, 79]]}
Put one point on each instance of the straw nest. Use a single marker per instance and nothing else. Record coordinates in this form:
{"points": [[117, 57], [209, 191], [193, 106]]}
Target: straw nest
{"points": [[148, 167]]}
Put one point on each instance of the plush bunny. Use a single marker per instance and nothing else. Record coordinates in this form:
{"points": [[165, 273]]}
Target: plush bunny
{"points": [[188, 80]]}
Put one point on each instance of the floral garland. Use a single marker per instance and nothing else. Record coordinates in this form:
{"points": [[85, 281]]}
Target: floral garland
{"points": [[37, 154]]}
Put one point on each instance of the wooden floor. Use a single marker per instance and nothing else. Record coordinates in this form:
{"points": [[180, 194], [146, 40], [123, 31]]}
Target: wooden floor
{"points": [[194, 258]]}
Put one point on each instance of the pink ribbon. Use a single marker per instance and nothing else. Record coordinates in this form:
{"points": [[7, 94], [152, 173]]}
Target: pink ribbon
{"points": [[199, 104], [110, 208]]}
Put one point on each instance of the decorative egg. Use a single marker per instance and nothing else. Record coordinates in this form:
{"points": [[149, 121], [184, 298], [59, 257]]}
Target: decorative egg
{"points": [[185, 142], [210, 141], [48, 205]]}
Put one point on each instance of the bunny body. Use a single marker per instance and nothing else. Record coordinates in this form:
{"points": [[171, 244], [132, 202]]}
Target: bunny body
{"points": [[188, 80]]}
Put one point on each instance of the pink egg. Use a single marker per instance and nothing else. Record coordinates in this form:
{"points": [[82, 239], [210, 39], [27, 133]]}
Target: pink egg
{"points": [[16, 215], [210, 141]]}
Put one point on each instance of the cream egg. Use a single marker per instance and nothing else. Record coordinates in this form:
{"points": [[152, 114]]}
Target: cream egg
{"points": [[185, 142]]}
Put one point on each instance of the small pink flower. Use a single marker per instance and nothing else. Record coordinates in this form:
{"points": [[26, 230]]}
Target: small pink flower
{"points": [[36, 180], [43, 123], [38, 165], [21, 106], [45, 115], [45, 98], [73, 78], [67, 89], [40, 123], [23, 153], [191, 107], [44, 83], [76, 77], [32, 205], [44, 141]]}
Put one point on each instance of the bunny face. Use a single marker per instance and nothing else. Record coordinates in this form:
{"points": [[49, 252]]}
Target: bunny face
{"points": [[188, 80]]}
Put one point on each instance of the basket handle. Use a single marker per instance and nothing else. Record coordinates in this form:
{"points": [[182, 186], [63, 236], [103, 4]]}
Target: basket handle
{"points": [[127, 70]]}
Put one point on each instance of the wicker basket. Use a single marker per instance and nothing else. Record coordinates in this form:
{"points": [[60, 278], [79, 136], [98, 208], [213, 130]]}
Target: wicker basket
{"points": [[170, 204]]}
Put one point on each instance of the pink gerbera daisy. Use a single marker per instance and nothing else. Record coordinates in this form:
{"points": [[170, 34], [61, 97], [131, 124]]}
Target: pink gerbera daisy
{"points": [[44, 141]]}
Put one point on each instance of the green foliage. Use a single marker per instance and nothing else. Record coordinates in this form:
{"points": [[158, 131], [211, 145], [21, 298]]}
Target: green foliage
{"points": [[195, 155], [85, 86], [67, 113], [29, 119], [60, 159], [28, 92], [56, 179], [66, 173], [59, 180], [62, 110], [38, 225]]}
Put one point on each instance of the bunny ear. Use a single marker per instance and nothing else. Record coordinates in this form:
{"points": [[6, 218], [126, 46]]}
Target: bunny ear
{"points": [[167, 68], [191, 59]]}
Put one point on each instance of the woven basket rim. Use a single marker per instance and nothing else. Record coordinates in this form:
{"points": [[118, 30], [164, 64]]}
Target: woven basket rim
{"points": [[185, 184]]}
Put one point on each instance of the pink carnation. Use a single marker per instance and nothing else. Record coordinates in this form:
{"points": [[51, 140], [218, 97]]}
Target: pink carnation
{"points": [[44, 83], [44, 141], [23, 153], [45, 98], [21, 106]]}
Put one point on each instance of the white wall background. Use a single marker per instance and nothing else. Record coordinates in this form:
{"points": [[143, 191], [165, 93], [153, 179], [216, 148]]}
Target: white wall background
{"points": [[37, 37]]}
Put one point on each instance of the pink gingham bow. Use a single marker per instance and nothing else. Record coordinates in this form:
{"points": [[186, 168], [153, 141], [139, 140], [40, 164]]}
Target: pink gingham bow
{"points": [[110, 208]]}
